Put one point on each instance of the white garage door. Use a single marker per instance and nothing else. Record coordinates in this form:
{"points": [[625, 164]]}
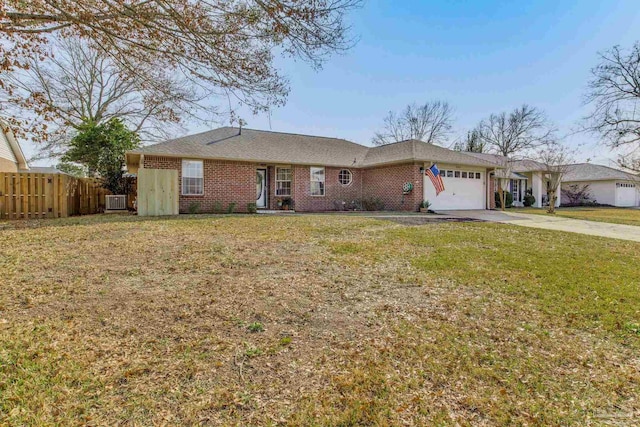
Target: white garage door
{"points": [[464, 189], [626, 194]]}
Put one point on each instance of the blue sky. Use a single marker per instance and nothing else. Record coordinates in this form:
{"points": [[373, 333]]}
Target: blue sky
{"points": [[480, 56]]}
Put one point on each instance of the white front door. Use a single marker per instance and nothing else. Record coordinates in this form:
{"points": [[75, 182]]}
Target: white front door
{"points": [[261, 188]]}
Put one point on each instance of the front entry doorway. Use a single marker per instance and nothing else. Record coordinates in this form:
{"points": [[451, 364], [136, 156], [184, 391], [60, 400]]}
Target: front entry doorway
{"points": [[261, 188]]}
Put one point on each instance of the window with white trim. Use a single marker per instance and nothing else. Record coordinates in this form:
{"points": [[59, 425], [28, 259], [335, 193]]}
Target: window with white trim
{"points": [[317, 181], [345, 177], [283, 181], [192, 178]]}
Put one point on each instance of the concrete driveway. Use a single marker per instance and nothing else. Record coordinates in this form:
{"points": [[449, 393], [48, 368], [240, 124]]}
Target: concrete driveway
{"points": [[593, 228]]}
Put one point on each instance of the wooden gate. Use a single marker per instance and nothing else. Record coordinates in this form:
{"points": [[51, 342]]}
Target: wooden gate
{"points": [[157, 192]]}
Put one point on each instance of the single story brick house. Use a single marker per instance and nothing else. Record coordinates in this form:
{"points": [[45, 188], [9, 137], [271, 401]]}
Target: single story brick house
{"points": [[313, 173], [606, 186]]}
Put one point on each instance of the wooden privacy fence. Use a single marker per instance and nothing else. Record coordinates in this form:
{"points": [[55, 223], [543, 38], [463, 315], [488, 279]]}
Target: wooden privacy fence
{"points": [[25, 195]]}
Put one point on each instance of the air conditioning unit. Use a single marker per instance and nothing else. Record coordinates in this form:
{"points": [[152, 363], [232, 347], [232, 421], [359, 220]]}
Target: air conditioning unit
{"points": [[115, 203]]}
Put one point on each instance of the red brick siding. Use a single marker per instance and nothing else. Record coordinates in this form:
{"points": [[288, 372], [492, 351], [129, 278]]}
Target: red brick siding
{"points": [[235, 182], [386, 183], [334, 191], [224, 183]]}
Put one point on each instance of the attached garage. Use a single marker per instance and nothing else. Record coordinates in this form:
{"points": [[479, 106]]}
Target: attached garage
{"points": [[465, 189], [626, 194]]}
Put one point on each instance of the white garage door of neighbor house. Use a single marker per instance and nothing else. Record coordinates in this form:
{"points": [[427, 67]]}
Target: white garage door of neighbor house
{"points": [[464, 189], [626, 194]]}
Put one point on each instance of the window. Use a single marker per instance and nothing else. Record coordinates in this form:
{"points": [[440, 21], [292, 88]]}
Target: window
{"points": [[192, 178], [470, 175], [457, 174], [283, 181], [317, 181], [625, 185], [477, 175], [345, 177], [449, 174], [464, 174]]}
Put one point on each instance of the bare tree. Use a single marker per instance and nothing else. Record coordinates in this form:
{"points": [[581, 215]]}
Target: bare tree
{"points": [[513, 134], [81, 84], [556, 159], [502, 175], [472, 143], [614, 92], [224, 48], [430, 122]]}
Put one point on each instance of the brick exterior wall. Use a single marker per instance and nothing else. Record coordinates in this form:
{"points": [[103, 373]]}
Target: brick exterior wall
{"points": [[235, 182], [224, 182], [334, 192], [386, 183]]}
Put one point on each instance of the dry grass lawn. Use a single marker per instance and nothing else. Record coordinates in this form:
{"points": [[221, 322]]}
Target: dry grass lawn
{"points": [[315, 320], [601, 214]]}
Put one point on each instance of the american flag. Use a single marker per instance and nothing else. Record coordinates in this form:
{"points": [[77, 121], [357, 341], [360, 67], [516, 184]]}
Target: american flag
{"points": [[434, 175]]}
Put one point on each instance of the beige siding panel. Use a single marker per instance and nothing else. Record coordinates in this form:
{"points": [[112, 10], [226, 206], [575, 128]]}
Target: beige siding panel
{"points": [[6, 152]]}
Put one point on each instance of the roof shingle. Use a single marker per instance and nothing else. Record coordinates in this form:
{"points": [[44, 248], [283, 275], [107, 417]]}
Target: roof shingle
{"points": [[277, 147]]}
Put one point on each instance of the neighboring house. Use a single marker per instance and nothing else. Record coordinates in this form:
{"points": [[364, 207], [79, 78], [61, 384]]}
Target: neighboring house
{"points": [[526, 175], [46, 169], [11, 156], [606, 186], [229, 165]]}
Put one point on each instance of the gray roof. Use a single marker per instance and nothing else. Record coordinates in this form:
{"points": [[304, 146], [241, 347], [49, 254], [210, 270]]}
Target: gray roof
{"points": [[414, 150], [525, 165], [277, 147], [263, 146], [591, 172], [45, 169]]}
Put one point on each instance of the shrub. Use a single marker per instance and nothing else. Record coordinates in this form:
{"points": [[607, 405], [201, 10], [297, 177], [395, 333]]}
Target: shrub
{"points": [[252, 208], [217, 207], [194, 207], [425, 204], [339, 205], [256, 327], [231, 208], [508, 197], [529, 200], [372, 204], [288, 202], [355, 205]]}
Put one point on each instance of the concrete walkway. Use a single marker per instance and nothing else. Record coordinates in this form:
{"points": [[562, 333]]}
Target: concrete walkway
{"points": [[592, 228]]}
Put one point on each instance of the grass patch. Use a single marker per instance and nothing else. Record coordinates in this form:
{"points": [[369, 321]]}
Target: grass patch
{"points": [[132, 321], [601, 214]]}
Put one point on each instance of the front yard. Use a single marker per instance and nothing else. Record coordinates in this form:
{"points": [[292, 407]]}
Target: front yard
{"points": [[602, 214], [315, 320]]}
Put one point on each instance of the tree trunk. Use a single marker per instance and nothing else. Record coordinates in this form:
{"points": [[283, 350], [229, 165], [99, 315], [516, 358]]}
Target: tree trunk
{"points": [[551, 195], [502, 196]]}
